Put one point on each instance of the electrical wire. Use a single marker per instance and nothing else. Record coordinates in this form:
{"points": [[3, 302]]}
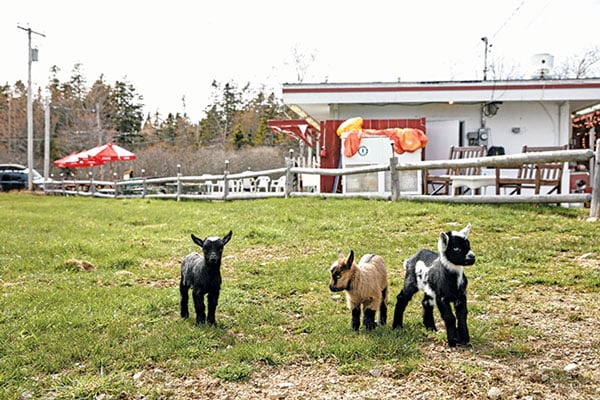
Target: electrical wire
{"points": [[515, 11]]}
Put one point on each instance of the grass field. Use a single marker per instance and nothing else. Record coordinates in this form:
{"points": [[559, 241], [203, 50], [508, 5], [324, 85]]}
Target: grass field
{"points": [[67, 332]]}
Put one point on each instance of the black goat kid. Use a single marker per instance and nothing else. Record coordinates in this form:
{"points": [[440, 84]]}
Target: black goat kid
{"points": [[441, 277], [202, 273]]}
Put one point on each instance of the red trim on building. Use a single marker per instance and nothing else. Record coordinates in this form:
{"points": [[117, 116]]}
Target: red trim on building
{"points": [[428, 88], [294, 128]]}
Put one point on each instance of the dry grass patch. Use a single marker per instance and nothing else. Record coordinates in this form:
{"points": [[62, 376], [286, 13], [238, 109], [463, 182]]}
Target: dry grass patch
{"points": [[560, 360]]}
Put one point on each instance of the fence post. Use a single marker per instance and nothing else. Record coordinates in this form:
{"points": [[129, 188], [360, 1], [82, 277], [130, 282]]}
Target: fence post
{"points": [[144, 184], [92, 184], [178, 181], [394, 179], [289, 177], [595, 205], [225, 181]]}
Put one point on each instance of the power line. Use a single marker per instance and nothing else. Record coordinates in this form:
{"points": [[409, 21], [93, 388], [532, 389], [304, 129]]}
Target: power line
{"points": [[538, 14], [515, 11]]}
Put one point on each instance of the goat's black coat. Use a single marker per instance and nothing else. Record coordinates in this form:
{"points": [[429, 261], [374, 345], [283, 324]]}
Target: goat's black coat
{"points": [[441, 277], [202, 273]]}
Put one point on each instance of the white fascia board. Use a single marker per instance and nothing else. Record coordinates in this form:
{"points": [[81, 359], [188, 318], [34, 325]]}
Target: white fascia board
{"points": [[536, 90]]}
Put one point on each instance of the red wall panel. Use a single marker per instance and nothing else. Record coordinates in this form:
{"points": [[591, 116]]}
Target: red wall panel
{"points": [[332, 144]]}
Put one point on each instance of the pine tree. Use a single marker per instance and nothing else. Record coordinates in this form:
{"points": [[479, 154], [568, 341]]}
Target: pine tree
{"points": [[125, 112], [239, 139], [210, 128], [168, 130]]}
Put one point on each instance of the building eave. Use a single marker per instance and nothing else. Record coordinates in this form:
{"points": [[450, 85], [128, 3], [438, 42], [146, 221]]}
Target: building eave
{"points": [[320, 96], [445, 91]]}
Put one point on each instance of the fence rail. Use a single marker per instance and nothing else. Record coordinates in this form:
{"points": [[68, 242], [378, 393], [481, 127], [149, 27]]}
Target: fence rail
{"points": [[228, 186]]}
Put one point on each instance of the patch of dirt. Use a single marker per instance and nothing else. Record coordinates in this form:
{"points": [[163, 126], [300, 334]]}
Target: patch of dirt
{"points": [[162, 283], [561, 361], [81, 265]]}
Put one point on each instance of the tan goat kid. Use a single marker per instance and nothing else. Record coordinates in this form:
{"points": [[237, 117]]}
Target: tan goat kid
{"points": [[365, 286]]}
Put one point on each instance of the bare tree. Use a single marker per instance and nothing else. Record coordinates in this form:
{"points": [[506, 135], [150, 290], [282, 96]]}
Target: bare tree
{"points": [[302, 62], [500, 70], [584, 65]]}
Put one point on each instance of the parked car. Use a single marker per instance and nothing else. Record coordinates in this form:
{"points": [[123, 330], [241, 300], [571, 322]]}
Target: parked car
{"points": [[15, 177]]}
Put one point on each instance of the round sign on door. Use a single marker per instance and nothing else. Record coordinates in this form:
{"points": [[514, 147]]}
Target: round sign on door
{"points": [[363, 151]]}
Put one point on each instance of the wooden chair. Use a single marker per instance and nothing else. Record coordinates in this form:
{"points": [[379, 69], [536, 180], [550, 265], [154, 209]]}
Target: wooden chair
{"points": [[440, 184], [534, 176]]}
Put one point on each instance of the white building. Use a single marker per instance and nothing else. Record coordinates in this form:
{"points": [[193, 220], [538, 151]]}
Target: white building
{"points": [[508, 114]]}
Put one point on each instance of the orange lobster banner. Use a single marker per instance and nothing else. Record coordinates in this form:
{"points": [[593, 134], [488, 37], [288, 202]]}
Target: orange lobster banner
{"points": [[404, 139]]}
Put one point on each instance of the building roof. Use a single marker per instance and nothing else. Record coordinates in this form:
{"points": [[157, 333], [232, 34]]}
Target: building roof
{"points": [[314, 100]]}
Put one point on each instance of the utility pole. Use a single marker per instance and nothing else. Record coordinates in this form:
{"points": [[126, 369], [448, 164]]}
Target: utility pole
{"points": [[485, 54], [46, 143], [30, 106]]}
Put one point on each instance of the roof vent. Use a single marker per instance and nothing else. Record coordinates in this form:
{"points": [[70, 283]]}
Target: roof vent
{"points": [[541, 65]]}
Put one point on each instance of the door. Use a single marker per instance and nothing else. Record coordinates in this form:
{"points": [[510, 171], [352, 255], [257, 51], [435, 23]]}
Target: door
{"points": [[441, 135]]}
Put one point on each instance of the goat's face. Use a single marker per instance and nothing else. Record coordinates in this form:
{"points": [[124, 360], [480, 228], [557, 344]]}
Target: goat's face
{"points": [[212, 246], [340, 272], [456, 248]]}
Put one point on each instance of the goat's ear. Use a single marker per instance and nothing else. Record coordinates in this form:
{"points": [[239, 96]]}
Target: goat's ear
{"points": [[443, 242], [465, 231], [197, 240], [350, 259], [227, 238], [340, 253]]}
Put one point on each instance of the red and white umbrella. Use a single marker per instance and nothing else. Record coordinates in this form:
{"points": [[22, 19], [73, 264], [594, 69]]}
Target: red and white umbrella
{"points": [[110, 152], [78, 160]]}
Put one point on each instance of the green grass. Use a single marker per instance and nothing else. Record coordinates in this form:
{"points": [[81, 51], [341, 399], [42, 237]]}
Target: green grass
{"points": [[71, 334]]}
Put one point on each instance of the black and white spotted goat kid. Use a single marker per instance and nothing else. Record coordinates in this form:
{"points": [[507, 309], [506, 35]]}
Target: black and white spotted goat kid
{"points": [[441, 277], [202, 273]]}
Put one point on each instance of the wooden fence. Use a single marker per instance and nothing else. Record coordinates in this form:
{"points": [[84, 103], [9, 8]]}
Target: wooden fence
{"points": [[228, 186]]}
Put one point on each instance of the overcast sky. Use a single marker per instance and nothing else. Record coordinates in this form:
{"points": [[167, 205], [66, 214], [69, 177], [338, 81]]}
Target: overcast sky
{"points": [[173, 49]]}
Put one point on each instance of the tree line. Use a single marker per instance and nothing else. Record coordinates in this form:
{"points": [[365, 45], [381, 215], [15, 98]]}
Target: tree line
{"points": [[82, 116]]}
